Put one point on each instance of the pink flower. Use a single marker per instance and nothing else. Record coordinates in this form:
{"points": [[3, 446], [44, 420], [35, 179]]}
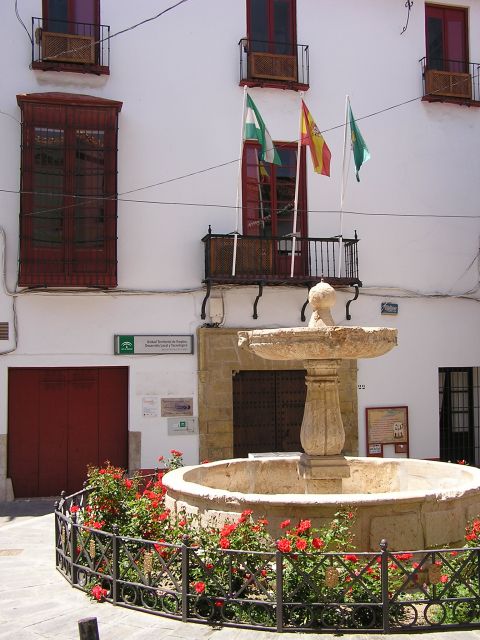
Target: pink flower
{"points": [[444, 578]]}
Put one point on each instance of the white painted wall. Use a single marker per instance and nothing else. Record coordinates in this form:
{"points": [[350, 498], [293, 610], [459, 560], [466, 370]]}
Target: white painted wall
{"points": [[178, 80]]}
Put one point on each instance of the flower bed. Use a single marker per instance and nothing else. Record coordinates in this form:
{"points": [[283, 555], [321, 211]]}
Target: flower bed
{"points": [[116, 541]]}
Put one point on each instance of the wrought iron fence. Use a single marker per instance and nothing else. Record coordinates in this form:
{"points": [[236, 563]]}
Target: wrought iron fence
{"points": [[454, 79], [269, 259], [381, 591], [75, 45], [263, 62]]}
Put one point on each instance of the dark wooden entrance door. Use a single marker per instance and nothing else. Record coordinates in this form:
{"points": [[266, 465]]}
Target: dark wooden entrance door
{"points": [[267, 411], [59, 421]]}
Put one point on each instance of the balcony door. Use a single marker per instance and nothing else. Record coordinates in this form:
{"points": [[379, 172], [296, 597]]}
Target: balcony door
{"points": [[271, 26], [446, 38], [269, 200], [79, 17]]}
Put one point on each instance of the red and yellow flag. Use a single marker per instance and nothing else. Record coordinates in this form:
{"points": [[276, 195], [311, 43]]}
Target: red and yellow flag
{"points": [[312, 137]]}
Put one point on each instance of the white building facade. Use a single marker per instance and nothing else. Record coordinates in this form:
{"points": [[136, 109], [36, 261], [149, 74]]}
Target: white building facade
{"points": [[120, 150]]}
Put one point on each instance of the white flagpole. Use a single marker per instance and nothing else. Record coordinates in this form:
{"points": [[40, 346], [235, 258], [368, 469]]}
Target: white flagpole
{"points": [[343, 188], [297, 184], [239, 182]]}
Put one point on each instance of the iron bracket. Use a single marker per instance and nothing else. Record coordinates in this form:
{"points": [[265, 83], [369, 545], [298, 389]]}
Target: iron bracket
{"points": [[260, 293], [347, 309], [203, 315]]}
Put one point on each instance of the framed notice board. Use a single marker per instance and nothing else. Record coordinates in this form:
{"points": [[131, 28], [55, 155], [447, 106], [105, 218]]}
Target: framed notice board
{"points": [[386, 425]]}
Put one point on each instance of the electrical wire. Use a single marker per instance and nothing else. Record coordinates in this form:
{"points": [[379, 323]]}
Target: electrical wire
{"points": [[22, 23]]}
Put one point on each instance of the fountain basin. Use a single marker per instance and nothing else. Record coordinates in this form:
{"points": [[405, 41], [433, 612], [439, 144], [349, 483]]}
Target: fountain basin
{"points": [[316, 343], [414, 504]]}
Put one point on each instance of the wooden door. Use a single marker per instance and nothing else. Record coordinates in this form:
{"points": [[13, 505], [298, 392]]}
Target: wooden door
{"points": [[59, 421], [267, 411]]}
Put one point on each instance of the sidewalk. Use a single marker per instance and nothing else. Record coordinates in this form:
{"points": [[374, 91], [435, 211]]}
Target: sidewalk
{"points": [[36, 602]]}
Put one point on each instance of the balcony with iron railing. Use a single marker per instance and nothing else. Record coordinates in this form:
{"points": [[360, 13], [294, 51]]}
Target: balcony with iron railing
{"points": [[267, 261], [70, 46], [271, 64], [450, 81]]}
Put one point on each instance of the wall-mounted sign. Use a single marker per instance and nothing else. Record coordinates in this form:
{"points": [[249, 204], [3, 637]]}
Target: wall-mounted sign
{"points": [[387, 425], [182, 426], [389, 308], [153, 345], [150, 406], [177, 407]]}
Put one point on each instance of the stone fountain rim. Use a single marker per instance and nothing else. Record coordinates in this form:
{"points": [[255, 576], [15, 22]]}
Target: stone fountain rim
{"points": [[174, 481]]}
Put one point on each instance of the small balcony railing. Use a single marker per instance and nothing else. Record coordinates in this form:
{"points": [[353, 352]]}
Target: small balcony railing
{"points": [[269, 260], [70, 46], [454, 80], [274, 64]]}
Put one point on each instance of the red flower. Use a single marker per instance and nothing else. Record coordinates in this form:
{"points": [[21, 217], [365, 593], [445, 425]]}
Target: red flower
{"points": [[224, 543], [128, 483], [218, 603], [285, 524], [351, 557], [199, 587], [204, 461], [454, 553], [350, 515], [74, 508], [182, 523], [303, 525], [444, 578], [160, 458], [284, 545], [227, 530], [98, 593], [208, 566], [318, 543], [262, 521], [403, 556], [176, 454], [301, 544]]}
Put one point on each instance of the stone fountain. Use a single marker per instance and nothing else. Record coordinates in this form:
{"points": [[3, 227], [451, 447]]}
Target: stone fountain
{"points": [[414, 504]]}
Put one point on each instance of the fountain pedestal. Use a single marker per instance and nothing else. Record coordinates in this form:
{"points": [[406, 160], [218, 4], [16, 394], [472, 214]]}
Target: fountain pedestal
{"points": [[322, 434]]}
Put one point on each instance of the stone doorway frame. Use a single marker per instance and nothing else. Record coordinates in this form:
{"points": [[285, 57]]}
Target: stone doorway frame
{"points": [[219, 357]]}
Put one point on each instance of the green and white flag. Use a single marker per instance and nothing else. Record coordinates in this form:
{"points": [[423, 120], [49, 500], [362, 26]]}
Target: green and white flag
{"points": [[255, 129], [360, 150]]}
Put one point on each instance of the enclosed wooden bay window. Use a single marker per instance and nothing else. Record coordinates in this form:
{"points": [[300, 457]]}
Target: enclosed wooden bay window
{"points": [[68, 204]]}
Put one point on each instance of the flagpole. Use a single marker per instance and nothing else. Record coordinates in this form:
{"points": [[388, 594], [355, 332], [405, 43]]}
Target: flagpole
{"points": [[343, 188], [239, 183], [297, 185]]}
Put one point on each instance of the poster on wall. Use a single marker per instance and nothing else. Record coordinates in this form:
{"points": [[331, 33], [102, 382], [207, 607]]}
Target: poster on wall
{"points": [[387, 425]]}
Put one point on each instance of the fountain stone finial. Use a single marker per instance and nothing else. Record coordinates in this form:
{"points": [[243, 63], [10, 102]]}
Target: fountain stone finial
{"points": [[322, 298]]}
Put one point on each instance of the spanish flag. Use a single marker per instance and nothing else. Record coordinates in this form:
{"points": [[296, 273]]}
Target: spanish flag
{"points": [[312, 137]]}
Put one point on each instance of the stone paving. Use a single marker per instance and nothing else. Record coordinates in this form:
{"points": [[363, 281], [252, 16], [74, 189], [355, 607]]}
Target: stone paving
{"points": [[36, 602]]}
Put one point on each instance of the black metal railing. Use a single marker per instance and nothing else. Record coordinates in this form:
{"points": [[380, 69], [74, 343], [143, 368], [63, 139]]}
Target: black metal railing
{"points": [[263, 62], [73, 45], [269, 260], [381, 591], [454, 79]]}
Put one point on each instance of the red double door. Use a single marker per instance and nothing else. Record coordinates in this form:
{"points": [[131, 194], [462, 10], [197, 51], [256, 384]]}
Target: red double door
{"points": [[60, 420]]}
